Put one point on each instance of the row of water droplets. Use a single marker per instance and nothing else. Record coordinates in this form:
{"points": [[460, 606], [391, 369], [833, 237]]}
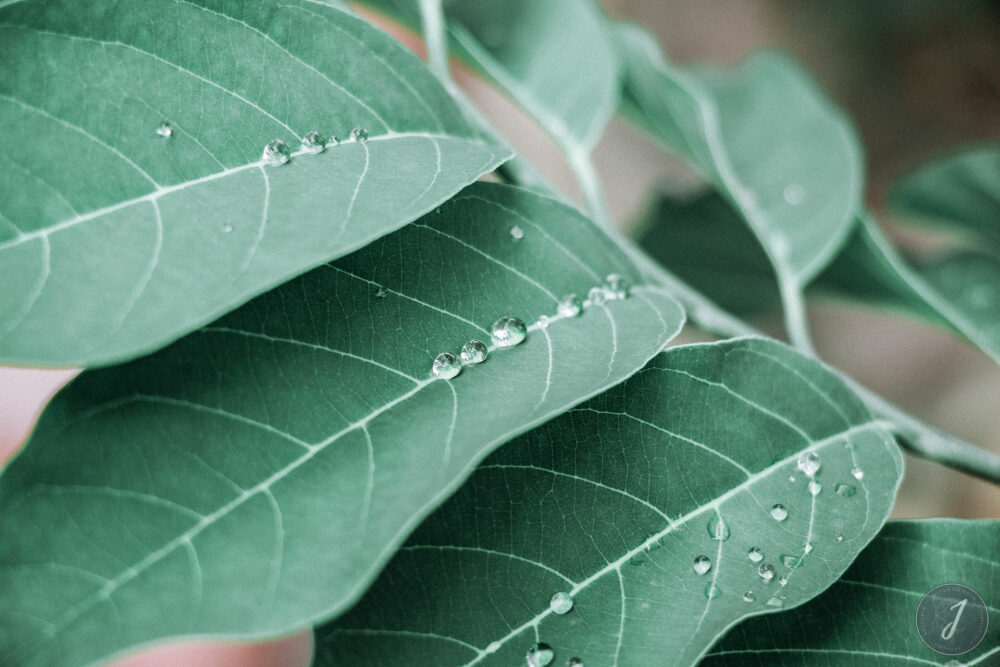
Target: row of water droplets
{"points": [[510, 331], [809, 464]]}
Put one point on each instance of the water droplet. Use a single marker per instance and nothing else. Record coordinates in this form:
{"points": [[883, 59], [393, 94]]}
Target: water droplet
{"points": [[570, 306], [543, 321], [776, 602], [794, 194], [712, 591], [165, 129], [539, 655], [446, 366], [561, 603], [791, 562], [597, 296], [791, 478], [765, 571], [839, 538], [808, 463], [783, 581], [815, 487], [857, 473], [846, 490], [276, 152], [702, 564], [617, 286], [227, 228], [779, 513], [575, 662], [474, 352], [516, 233], [313, 142], [359, 135], [508, 332], [381, 292], [755, 555], [749, 596], [808, 548], [493, 647], [718, 529]]}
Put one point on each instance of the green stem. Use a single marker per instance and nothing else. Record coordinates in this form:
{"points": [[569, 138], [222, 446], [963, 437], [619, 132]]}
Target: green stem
{"points": [[796, 323], [432, 22], [590, 186]]}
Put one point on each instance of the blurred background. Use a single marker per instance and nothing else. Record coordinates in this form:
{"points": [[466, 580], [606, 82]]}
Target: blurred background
{"points": [[918, 77]]}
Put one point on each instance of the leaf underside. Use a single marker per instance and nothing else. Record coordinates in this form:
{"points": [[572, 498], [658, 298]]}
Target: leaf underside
{"points": [[612, 503], [252, 478], [115, 240]]}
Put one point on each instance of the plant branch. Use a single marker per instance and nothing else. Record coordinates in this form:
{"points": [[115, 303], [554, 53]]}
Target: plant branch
{"points": [[590, 186], [432, 23]]}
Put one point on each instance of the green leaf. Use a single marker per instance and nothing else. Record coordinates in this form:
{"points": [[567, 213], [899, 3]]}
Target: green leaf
{"points": [[961, 192], [613, 502], [867, 617], [115, 240], [253, 478], [755, 132]]}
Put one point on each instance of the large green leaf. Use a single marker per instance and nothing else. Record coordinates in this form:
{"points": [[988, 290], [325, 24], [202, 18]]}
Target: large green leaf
{"points": [[867, 617], [961, 191], [115, 240], [614, 502], [755, 132], [253, 477]]}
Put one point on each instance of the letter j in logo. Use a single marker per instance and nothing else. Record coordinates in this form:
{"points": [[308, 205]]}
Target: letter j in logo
{"points": [[952, 619]]}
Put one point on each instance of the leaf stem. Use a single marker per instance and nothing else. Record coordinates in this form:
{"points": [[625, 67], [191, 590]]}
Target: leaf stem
{"points": [[590, 186], [432, 23], [796, 322]]}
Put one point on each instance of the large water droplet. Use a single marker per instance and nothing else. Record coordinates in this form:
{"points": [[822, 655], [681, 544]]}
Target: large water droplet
{"points": [[165, 129], [846, 490], [808, 463], [765, 571], [276, 152], [791, 562], [749, 596], [539, 655], [815, 487], [516, 233], [755, 555], [617, 286], [702, 564], [359, 135], [794, 194], [857, 473], [570, 306], [718, 529], [313, 142], [597, 296], [561, 603], [474, 352], [778, 512], [446, 366], [508, 332], [712, 591]]}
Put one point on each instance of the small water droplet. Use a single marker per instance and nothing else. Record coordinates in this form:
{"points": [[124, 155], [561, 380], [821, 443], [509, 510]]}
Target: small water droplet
{"points": [[815, 487], [493, 647], [776, 602], [808, 463], [313, 142], [381, 293], [808, 548], [783, 581], [359, 135], [617, 286], [570, 306], [165, 129], [712, 591], [446, 366], [795, 194], [765, 571], [227, 228], [332, 140], [539, 655], [839, 538], [508, 332], [596, 296], [561, 603], [702, 564], [791, 478], [575, 662], [749, 596], [791, 562], [755, 555], [846, 490], [857, 473], [778, 512], [718, 529], [543, 322], [276, 153], [516, 233], [474, 352]]}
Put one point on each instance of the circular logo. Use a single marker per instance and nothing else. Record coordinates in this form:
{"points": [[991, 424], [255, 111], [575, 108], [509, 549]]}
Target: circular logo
{"points": [[952, 619]]}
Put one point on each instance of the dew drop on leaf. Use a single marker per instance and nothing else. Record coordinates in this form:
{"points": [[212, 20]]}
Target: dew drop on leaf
{"points": [[779, 513], [815, 487], [839, 538], [783, 581], [846, 490], [597, 296], [765, 571], [276, 152], [474, 352], [617, 287], [508, 332], [313, 142], [359, 135], [446, 366], [575, 662], [227, 228], [791, 562], [516, 233], [702, 564], [570, 306], [749, 596], [791, 478], [539, 655], [776, 602], [712, 591], [808, 463], [755, 555], [857, 473], [561, 603], [381, 292], [718, 529], [543, 322], [165, 130], [794, 194], [808, 548]]}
